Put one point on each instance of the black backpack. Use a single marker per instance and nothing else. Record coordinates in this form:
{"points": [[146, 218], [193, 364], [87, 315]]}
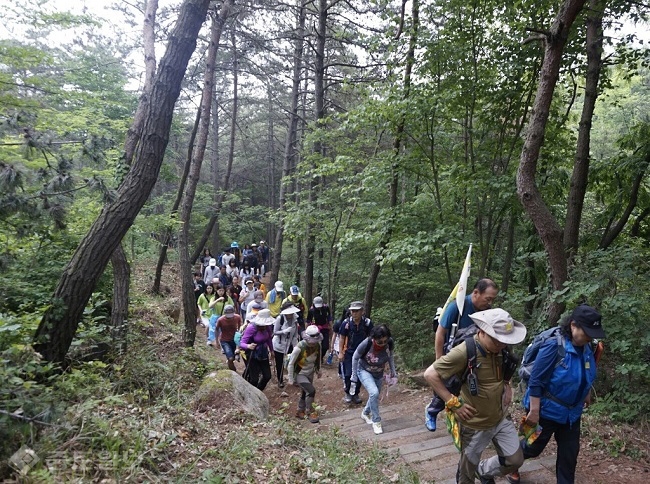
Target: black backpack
{"points": [[467, 334]]}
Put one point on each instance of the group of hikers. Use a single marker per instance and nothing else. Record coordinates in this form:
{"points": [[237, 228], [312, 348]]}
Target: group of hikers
{"points": [[471, 376], [558, 369]]}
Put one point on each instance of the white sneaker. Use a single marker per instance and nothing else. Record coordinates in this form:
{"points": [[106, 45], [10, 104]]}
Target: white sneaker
{"points": [[366, 418], [376, 427]]}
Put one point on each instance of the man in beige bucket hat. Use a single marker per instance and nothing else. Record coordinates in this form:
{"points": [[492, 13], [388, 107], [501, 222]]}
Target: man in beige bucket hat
{"points": [[481, 410]]}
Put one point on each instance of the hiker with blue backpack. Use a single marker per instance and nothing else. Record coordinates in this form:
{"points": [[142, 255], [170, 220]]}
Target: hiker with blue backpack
{"points": [[477, 415], [561, 365], [451, 321]]}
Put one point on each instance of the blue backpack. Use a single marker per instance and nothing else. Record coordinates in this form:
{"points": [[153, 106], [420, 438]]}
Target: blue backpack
{"points": [[528, 360]]}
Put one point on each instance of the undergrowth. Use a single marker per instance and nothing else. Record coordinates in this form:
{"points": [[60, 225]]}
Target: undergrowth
{"points": [[132, 419]]}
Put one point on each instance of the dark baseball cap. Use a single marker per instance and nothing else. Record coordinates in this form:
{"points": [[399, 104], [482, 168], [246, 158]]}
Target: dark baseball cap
{"points": [[589, 320]]}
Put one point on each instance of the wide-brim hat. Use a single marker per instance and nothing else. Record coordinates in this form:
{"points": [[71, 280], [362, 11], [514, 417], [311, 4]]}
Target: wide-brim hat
{"points": [[500, 325], [264, 318], [290, 310], [312, 335]]}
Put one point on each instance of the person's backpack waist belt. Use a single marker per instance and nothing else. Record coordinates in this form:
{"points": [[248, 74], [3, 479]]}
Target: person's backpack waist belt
{"points": [[548, 395]]}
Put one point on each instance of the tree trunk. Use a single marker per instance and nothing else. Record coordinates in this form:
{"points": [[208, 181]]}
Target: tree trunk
{"points": [[318, 150], [162, 256], [292, 137], [189, 300], [394, 183], [149, 40], [79, 278], [120, 305], [121, 269], [270, 153], [226, 8], [613, 231], [579, 178], [545, 223], [214, 169]]}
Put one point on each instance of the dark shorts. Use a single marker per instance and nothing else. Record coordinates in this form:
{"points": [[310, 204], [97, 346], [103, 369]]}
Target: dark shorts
{"points": [[228, 348]]}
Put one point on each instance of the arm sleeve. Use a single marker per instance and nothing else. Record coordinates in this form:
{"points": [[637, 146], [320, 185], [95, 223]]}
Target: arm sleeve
{"points": [[247, 337], [295, 354], [453, 363], [450, 316], [357, 356], [543, 368], [391, 363], [269, 339], [305, 308]]}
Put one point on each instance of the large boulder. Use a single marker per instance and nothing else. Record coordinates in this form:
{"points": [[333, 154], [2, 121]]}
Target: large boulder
{"points": [[225, 389]]}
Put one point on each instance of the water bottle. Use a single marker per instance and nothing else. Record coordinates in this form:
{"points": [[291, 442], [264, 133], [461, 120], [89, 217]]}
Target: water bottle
{"points": [[330, 357], [353, 387]]}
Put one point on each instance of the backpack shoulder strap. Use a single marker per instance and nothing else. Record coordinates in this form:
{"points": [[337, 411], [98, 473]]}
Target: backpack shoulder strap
{"points": [[561, 350], [368, 343], [470, 346]]}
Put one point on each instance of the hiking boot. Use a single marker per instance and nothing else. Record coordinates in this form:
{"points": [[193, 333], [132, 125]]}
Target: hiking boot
{"points": [[356, 399], [376, 428], [347, 398], [281, 384], [313, 417], [366, 418], [484, 480], [300, 414], [514, 477], [429, 420]]}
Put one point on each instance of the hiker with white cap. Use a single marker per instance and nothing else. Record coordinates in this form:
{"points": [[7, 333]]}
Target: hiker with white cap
{"points": [[246, 296], [304, 362], [477, 416], [264, 251], [319, 314], [275, 297], [558, 391], [285, 338], [211, 271], [227, 326], [257, 343], [297, 300]]}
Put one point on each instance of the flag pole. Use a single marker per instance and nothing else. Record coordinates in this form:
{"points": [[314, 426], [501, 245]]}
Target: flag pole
{"points": [[459, 294]]}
